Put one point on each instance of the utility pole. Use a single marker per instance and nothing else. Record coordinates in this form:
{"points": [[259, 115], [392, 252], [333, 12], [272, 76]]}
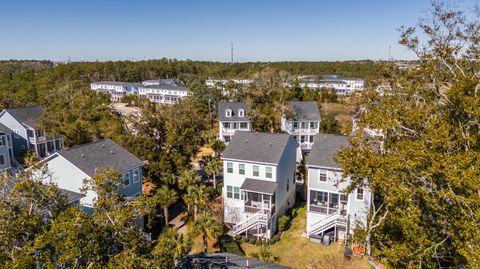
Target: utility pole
{"points": [[231, 53], [390, 53]]}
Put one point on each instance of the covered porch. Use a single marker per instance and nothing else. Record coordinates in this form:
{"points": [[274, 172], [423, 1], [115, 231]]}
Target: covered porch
{"points": [[258, 196]]}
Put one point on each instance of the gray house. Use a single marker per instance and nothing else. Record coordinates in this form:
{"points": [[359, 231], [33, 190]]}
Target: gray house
{"points": [[232, 116], [23, 123], [69, 167], [6, 151], [329, 208]]}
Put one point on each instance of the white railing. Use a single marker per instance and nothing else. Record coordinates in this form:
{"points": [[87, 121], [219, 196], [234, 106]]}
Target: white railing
{"points": [[257, 218], [327, 223]]}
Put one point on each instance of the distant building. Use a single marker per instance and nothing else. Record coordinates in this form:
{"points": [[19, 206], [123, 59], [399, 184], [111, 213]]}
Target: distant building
{"points": [[116, 90], [259, 182], [232, 116], [220, 83], [69, 167], [303, 124], [163, 91], [342, 86], [23, 124], [329, 209]]}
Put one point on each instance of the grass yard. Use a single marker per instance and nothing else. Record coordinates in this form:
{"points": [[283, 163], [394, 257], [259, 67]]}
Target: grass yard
{"points": [[342, 112], [296, 251]]}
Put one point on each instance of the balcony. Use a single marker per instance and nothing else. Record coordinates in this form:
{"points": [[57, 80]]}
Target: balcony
{"points": [[300, 131], [43, 139], [328, 210]]}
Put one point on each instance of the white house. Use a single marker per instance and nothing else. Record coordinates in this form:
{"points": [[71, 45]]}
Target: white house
{"points": [[69, 167], [303, 124], [232, 117], [117, 90], [163, 91], [329, 209], [220, 83], [259, 182], [342, 86]]}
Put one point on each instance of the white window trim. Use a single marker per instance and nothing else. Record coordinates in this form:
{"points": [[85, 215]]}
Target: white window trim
{"points": [[326, 176], [123, 179], [137, 170], [4, 160], [363, 195], [228, 113], [241, 113]]}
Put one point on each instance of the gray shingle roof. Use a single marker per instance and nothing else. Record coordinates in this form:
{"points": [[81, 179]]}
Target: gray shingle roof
{"points": [[257, 147], [234, 106], [304, 111], [102, 153], [324, 148], [224, 260], [165, 81], [256, 185], [26, 115]]}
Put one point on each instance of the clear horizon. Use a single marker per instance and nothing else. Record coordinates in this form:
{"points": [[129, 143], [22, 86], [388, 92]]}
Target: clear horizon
{"points": [[267, 31]]}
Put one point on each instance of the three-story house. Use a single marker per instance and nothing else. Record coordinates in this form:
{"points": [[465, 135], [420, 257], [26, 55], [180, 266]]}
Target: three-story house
{"points": [[232, 116], [302, 121], [259, 182], [330, 210]]}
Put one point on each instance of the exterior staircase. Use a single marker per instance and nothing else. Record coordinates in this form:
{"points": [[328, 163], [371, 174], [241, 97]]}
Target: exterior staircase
{"points": [[249, 223], [327, 223]]}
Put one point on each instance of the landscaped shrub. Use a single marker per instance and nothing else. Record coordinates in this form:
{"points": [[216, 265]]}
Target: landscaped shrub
{"points": [[258, 243], [243, 239], [283, 223], [237, 237], [252, 241], [275, 239], [226, 243]]}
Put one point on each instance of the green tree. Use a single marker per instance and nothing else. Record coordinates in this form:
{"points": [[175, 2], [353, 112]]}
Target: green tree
{"points": [[166, 197], [212, 166], [264, 254], [422, 168], [208, 227], [329, 124]]}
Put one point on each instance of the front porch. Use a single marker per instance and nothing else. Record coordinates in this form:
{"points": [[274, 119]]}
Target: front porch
{"points": [[44, 146]]}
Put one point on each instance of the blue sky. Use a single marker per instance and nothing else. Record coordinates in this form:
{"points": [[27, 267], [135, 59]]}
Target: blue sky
{"points": [[262, 30]]}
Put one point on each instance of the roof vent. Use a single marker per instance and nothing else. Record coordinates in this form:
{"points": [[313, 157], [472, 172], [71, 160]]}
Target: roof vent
{"points": [[270, 143], [246, 140], [111, 152], [103, 146], [325, 137], [83, 155]]}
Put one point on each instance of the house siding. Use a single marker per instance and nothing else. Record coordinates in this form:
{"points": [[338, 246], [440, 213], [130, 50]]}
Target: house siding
{"points": [[19, 141], [4, 150]]}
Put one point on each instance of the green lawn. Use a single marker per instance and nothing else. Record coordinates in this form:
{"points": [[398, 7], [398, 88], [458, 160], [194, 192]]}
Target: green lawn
{"points": [[296, 251]]}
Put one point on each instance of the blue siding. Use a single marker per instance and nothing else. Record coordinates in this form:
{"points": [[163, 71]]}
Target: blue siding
{"points": [[134, 188], [19, 137]]}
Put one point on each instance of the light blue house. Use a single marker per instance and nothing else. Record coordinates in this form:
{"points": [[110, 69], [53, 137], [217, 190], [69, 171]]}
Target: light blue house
{"points": [[329, 209], [6, 151], [23, 124], [71, 166]]}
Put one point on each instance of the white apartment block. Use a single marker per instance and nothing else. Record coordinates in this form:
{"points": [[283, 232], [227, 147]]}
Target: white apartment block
{"points": [[232, 117], [220, 83], [329, 209], [116, 90], [342, 86], [259, 182], [163, 91], [303, 123]]}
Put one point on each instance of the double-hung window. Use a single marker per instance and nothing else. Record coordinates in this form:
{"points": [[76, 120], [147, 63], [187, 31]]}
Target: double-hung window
{"points": [[136, 175], [256, 171], [268, 172], [229, 192], [126, 179], [241, 169], [229, 167], [233, 192], [359, 194], [322, 176]]}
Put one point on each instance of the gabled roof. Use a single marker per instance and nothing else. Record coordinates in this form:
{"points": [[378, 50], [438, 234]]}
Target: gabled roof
{"points": [[324, 149], [5, 129], [257, 147], [102, 153], [234, 106], [304, 111], [166, 87], [26, 115]]}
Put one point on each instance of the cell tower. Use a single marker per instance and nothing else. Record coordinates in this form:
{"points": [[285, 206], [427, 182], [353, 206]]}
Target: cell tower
{"points": [[231, 53]]}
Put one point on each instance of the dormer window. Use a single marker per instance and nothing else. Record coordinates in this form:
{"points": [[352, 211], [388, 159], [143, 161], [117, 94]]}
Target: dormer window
{"points": [[228, 113], [241, 113]]}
